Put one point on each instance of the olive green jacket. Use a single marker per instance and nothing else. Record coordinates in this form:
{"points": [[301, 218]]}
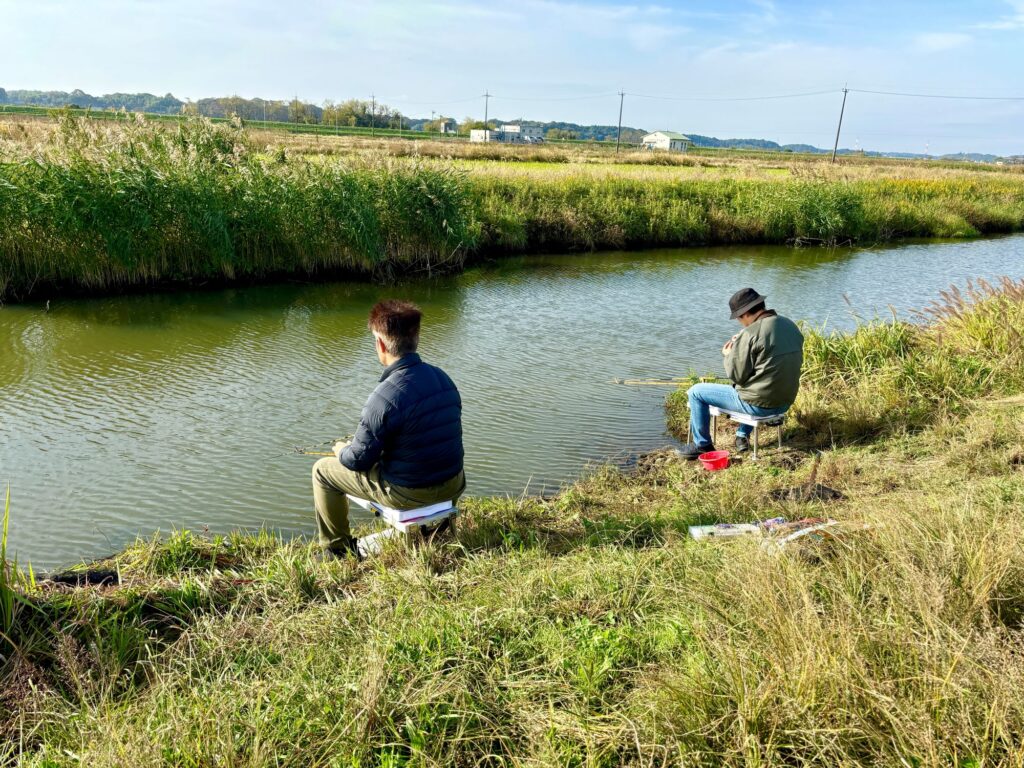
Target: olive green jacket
{"points": [[764, 362]]}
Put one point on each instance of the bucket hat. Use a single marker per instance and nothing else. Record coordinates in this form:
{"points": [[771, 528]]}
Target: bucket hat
{"points": [[743, 301]]}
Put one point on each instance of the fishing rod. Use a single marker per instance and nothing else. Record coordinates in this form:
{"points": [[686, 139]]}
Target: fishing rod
{"points": [[674, 382], [303, 451], [651, 382]]}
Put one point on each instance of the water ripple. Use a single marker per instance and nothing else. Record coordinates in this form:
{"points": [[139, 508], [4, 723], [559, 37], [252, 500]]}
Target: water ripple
{"points": [[122, 416]]}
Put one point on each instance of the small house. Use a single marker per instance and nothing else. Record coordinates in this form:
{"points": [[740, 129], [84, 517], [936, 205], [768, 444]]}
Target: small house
{"points": [[517, 134], [668, 141], [481, 136]]}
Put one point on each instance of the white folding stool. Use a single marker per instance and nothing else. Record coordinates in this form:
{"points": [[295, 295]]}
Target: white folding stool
{"points": [[409, 522], [778, 420]]}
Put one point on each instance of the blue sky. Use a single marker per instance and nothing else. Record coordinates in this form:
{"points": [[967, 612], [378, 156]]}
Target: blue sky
{"points": [[559, 60]]}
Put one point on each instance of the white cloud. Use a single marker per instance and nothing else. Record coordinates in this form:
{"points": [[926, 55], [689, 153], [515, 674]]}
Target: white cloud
{"points": [[935, 42], [647, 36], [769, 12], [646, 27], [1013, 20]]}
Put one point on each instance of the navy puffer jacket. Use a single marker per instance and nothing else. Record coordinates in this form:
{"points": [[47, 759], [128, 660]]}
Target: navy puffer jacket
{"points": [[412, 425]]}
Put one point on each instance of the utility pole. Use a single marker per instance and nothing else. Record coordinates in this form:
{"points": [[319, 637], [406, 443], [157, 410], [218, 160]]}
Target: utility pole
{"points": [[618, 133], [373, 111], [839, 127], [487, 101]]}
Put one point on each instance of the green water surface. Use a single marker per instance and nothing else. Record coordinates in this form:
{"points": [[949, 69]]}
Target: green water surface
{"points": [[121, 416]]}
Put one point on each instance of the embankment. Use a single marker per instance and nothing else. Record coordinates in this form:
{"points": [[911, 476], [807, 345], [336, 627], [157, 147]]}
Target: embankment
{"points": [[100, 208], [588, 629], [566, 213]]}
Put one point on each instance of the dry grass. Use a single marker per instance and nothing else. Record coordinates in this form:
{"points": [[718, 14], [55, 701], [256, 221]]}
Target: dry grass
{"points": [[588, 155]]}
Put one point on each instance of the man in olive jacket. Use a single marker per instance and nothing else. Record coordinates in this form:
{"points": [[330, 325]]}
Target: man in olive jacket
{"points": [[763, 362]]}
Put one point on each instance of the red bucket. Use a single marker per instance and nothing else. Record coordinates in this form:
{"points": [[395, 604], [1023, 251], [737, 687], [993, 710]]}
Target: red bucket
{"points": [[714, 460]]}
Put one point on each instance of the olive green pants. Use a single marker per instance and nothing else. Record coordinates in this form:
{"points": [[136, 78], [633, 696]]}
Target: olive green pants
{"points": [[332, 480]]}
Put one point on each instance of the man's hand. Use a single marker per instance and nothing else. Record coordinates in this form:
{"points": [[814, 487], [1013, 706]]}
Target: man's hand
{"points": [[727, 348], [339, 447]]}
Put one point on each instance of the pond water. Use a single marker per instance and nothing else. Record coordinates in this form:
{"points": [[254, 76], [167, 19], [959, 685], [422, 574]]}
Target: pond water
{"points": [[121, 416]]}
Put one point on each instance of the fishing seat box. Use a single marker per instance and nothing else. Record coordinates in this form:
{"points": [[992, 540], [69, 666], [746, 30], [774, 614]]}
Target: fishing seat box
{"points": [[423, 519], [756, 422]]}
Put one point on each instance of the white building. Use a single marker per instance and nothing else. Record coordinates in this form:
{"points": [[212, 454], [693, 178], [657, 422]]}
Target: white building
{"points": [[515, 134], [668, 141], [509, 134]]}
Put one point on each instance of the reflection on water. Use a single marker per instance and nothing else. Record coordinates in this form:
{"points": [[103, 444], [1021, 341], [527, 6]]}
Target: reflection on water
{"points": [[122, 416]]}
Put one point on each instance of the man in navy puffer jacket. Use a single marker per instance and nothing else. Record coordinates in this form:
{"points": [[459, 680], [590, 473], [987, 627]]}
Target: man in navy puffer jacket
{"points": [[407, 452]]}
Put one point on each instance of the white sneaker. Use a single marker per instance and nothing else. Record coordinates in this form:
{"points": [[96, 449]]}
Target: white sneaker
{"points": [[374, 543]]}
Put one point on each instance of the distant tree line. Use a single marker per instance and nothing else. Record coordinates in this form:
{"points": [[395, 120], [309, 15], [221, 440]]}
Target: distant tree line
{"points": [[354, 112], [365, 113], [133, 102], [362, 113]]}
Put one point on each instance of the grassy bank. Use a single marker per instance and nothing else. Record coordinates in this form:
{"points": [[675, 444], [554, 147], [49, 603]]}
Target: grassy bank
{"points": [[586, 629], [576, 213], [91, 206], [97, 207]]}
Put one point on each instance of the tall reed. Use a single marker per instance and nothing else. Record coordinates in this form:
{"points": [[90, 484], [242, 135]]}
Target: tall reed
{"points": [[12, 583], [101, 207], [8, 598], [578, 211]]}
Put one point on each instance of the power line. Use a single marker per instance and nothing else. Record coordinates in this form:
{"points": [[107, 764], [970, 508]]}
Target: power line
{"points": [[604, 95], [735, 98], [669, 97], [429, 101], [556, 98], [939, 95]]}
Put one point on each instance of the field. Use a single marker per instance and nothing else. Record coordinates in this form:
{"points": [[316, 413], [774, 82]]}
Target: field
{"points": [[587, 629], [102, 205]]}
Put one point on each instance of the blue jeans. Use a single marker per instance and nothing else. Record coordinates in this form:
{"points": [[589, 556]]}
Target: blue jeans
{"points": [[723, 396]]}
